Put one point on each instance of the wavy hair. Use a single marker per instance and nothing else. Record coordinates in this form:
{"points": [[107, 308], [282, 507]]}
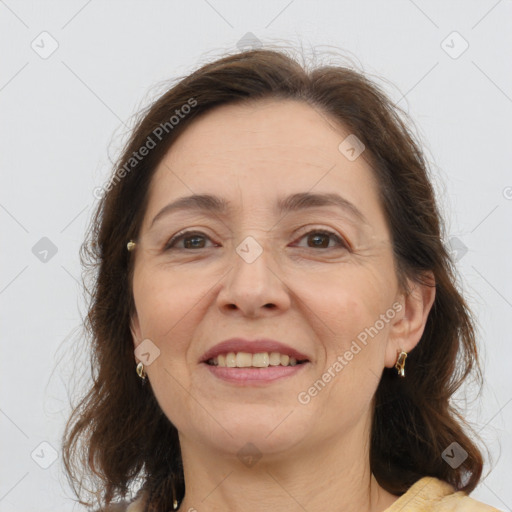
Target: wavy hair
{"points": [[117, 434]]}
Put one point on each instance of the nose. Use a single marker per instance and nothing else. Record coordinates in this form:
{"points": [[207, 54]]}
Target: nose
{"points": [[253, 286]]}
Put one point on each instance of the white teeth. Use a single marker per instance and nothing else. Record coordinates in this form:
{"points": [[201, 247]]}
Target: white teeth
{"points": [[247, 360], [261, 360], [243, 360], [274, 359], [231, 360]]}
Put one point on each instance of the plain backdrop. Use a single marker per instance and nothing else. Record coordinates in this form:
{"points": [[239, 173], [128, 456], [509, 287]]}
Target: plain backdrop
{"points": [[72, 75]]}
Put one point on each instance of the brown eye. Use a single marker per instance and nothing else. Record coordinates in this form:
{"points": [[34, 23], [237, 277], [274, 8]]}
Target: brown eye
{"points": [[191, 239], [321, 239]]}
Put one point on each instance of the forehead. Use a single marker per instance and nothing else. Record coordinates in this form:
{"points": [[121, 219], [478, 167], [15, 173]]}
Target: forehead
{"points": [[269, 144], [284, 128]]}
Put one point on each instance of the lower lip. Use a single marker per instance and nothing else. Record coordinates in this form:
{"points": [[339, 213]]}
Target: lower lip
{"points": [[254, 375]]}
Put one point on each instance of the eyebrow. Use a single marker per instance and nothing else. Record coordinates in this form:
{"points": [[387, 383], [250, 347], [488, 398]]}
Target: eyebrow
{"points": [[300, 201]]}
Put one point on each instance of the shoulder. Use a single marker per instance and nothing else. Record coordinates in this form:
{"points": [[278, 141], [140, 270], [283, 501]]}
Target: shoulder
{"points": [[434, 495]]}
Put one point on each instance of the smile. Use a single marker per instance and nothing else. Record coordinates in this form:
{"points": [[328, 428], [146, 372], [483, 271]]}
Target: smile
{"points": [[258, 360]]}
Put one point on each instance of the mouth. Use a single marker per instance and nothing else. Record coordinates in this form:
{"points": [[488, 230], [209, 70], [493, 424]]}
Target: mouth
{"points": [[257, 360], [254, 362]]}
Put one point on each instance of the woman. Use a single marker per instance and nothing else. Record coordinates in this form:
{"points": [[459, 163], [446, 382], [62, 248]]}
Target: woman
{"points": [[274, 321]]}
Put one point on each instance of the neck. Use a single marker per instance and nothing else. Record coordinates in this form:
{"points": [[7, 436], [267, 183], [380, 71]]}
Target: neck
{"points": [[335, 476]]}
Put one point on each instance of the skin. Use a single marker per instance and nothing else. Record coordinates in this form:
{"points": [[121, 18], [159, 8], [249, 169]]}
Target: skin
{"points": [[314, 456]]}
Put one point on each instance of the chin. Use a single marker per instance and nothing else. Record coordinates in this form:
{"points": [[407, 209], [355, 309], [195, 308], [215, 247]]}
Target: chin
{"points": [[270, 432]]}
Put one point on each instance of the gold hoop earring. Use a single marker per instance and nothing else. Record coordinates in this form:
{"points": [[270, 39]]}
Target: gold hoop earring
{"points": [[141, 372], [400, 363]]}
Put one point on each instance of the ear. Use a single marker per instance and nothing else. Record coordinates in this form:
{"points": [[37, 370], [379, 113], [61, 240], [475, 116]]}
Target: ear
{"points": [[408, 326], [135, 329]]}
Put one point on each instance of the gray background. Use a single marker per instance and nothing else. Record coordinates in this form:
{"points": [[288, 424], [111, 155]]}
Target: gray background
{"points": [[65, 115]]}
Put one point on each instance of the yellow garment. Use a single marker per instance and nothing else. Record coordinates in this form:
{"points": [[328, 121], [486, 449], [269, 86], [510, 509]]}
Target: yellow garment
{"points": [[428, 494]]}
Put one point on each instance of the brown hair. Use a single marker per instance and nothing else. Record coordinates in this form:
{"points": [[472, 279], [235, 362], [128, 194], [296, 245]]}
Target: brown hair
{"points": [[118, 432]]}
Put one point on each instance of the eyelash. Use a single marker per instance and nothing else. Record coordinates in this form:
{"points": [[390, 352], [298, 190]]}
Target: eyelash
{"points": [[189, 234]]}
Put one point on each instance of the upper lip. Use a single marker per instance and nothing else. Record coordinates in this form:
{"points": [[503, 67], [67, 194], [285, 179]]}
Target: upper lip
{"points": [[252, 347]]}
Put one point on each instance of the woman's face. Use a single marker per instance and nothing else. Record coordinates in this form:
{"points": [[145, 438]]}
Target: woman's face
{"points": [[317, 277]]}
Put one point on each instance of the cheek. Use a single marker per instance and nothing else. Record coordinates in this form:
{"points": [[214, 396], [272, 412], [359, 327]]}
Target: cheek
{"points": [[163, 300], [165, 306], [346, 381], [348, 301], [351, 306]]}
